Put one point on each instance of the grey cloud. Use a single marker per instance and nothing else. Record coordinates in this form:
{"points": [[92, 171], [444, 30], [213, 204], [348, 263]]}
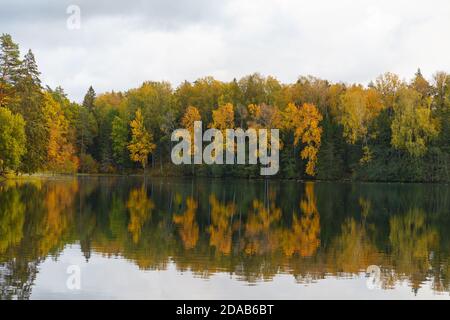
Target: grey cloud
{"points": [[122, 43], [167, 14]]}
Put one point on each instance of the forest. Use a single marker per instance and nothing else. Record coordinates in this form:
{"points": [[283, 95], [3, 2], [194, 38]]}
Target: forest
{"points": [[388, 130]]}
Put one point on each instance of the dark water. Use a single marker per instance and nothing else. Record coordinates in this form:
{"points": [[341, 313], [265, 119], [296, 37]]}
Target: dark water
{"points": [[229, 239]]}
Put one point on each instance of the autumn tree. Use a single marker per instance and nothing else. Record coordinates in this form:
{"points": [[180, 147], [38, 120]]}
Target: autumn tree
{"points": [[223, 118], [141, 144], [413, 125], [305, 122], [263, 116], [253, 90], [388, 85], [421, 85], [190, 116], [107, 106], [60, 152], [358, 108], [12, 140]]}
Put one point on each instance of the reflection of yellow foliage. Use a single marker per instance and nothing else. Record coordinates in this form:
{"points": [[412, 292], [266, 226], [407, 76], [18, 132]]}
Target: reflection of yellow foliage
{"points": [[410, 237], [352, 251], [257, 229], [12, 218], [140, 208], [59, 200], [37, 220], [365, 207], [304, 235], [412, 242], [220, 229], [188, 226]]}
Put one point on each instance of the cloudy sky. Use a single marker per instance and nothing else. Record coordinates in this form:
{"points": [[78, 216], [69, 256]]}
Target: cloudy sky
{"points": [[122, 43]]}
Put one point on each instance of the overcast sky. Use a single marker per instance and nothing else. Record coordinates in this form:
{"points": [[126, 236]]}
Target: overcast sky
{"points": [[122, 43]]}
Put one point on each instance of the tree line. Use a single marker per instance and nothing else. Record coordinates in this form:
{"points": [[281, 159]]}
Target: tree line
{"points": [[389, 130]]}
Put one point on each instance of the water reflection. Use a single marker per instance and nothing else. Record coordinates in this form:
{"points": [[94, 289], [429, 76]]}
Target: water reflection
{"points": [[251, 230]]}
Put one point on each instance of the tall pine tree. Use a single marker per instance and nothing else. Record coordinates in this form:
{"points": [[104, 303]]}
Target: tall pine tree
{"points": [[89, 99], [87, 124], [10, 71], [31, 107]]}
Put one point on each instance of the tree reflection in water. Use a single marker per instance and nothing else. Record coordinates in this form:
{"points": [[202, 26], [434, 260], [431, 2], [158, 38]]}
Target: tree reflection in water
{"points": [[253, 230]]}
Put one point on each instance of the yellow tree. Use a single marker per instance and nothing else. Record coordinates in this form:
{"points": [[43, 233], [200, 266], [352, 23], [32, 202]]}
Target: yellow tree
{"points": [[388, 85], [12, 140], [264, 117], [190, 116], [187, 121], [305, 122], [60, 152], [141, 144], [413, 125], [359, 107], [223, 117]]}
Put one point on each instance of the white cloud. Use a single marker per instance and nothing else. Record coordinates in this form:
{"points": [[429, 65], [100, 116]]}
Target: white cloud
{"points": [[119, 45]]}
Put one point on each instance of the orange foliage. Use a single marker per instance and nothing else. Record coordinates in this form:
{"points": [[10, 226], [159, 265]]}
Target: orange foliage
{"points": [[189, 231]]}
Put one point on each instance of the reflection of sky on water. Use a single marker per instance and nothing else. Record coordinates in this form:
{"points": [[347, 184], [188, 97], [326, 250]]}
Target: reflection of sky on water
{"points": [[117, 278]]}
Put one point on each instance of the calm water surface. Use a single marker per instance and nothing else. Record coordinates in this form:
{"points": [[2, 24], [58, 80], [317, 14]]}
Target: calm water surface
{"points": [[225, 239]]}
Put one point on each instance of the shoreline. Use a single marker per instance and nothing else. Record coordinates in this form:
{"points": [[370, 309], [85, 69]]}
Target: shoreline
{"points": [[150, 176]]}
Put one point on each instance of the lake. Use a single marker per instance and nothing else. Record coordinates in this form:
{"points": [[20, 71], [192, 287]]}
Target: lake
{"points": [[130, 238]]}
